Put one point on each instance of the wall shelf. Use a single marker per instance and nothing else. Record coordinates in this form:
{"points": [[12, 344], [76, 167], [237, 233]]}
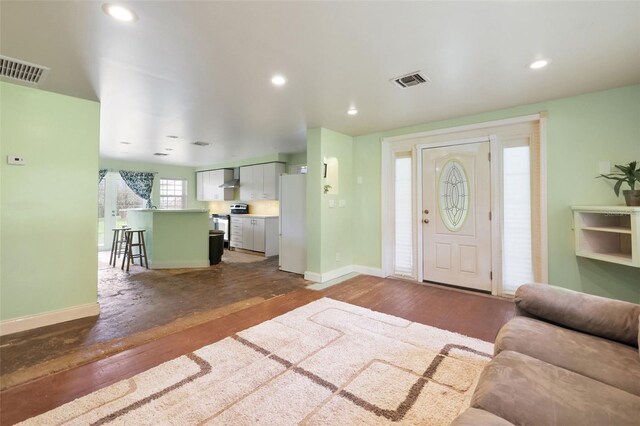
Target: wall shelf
{"points": [[608, 233]]}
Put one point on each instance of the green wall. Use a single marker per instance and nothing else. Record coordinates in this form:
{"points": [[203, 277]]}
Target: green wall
{"points": [[334, 234], [581, 131], [164, 171], [48, 206]]}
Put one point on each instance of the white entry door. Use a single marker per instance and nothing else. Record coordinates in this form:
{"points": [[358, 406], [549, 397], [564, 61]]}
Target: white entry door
{"points": [[456, 224]]}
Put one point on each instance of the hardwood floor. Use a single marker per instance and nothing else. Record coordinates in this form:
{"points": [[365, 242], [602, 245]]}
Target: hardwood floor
{"points": [[470, 314]]}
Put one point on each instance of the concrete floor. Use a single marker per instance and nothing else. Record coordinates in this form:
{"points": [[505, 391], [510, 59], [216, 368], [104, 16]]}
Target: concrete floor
{"points": [[141, 306]]}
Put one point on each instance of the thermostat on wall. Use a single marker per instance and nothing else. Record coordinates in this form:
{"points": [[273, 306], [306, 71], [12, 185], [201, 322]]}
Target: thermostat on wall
{"points": [[16, 160]]}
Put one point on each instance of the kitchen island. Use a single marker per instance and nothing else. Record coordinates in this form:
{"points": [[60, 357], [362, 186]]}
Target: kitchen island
{"points": [[174, 238]]}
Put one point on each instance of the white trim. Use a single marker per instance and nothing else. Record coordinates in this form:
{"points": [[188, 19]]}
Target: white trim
{"points": [[497, 226], [340, 272], [181, 264], [368, 270], [29, 322], [388, 211], [465, 128], [313, 276], [544, 238]]}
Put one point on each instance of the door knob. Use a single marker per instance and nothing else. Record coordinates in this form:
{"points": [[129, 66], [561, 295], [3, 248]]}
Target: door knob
{"points": [[425, 220], [426, 211]]}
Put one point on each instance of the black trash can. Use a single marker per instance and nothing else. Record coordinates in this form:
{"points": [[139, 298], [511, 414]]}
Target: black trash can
{"points": [[216, 246]]}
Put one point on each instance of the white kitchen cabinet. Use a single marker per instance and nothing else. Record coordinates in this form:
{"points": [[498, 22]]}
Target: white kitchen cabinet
{"points": [[255, 233], [260, 181], [208, 185]]}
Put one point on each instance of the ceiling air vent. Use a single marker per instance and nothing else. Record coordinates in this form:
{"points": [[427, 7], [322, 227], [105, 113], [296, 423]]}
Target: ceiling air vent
{"points": [[20, 71], [161, 154], [200, 143], [408, 80]]}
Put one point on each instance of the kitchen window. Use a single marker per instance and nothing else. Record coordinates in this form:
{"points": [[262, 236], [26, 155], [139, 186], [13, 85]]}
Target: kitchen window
{"points": [[173, 193]]}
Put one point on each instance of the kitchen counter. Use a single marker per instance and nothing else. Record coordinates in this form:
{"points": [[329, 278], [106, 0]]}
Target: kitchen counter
{"points": [[262, 216], [168, 210], [173, 238]]}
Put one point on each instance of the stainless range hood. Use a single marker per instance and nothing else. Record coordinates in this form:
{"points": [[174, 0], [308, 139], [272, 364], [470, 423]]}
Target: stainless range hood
{"points": [[233, 183]]}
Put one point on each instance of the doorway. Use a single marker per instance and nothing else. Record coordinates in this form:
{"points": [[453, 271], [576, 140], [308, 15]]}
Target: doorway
{"points": [[113, 196], [477, 199], [456, 210]]}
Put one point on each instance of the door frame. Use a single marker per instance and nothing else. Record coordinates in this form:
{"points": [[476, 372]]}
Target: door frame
{"points": [[496, 239], [407, 143]]}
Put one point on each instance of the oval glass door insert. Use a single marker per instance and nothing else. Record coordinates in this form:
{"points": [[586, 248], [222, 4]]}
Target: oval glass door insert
{"points": [[453, 195]]}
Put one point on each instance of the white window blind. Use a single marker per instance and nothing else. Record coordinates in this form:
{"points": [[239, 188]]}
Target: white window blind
{"points": [[173, 193], [403, 233], [517, 248]]}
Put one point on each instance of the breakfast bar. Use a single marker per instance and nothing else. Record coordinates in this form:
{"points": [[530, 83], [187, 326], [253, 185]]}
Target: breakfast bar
{"points": [[174, 238]]}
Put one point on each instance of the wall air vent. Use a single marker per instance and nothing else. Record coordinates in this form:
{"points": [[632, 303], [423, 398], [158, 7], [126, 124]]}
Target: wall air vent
{"points": [[412, 79], [14, 70], [200, 143], [161, 154]]}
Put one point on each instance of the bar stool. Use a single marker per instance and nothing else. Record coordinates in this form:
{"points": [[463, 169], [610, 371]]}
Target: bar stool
{"points": [[128, 251], [118, 244]]}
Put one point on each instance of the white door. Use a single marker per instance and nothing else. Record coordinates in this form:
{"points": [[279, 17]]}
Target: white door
{"points": [[247, 233], [258, 235], [246, 183], [456, 224]]}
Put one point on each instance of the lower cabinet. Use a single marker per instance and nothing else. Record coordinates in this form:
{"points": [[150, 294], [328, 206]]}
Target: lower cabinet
{"points": [[255, 233]]}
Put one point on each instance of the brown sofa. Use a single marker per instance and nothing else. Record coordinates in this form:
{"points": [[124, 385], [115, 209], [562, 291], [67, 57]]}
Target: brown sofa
{"points": [[567, 358]]}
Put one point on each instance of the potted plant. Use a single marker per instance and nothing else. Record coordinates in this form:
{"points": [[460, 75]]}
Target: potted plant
{"points": [[628, 174]]}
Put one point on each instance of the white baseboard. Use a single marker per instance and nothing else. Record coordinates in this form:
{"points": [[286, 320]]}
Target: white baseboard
{"points": [[29, 322], [178, 265], [367, 270], [337, 273], [313, 276]]}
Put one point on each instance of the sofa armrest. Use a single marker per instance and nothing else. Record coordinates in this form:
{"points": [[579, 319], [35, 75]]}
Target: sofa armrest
{"points": [[608, 318]]}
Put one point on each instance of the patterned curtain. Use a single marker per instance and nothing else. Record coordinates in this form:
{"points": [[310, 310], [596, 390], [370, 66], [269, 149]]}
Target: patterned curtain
{"points": [[140, 183], [101, 174]]}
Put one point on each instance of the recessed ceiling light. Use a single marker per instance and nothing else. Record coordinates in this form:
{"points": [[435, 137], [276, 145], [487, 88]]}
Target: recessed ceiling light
{"points": [[278, 80], [352, 111], [172, 136], [168, 149], [540, 63], [125, 143], [119, 12]]}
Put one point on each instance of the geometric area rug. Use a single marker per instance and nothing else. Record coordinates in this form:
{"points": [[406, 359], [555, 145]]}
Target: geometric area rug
{"points": [[325, 363]]}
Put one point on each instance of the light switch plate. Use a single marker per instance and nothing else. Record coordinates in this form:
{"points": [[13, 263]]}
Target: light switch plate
{"points": [[342, 203], [16, 160], [359, 180], [332, 203], [604, 167]]}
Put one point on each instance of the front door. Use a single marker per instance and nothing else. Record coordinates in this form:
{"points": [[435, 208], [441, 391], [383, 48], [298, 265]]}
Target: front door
{"points": [[456, 224]]}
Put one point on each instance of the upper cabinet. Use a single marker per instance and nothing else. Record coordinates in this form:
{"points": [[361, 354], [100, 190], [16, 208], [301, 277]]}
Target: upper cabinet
{"points": [[208, 185], [260, 181]]}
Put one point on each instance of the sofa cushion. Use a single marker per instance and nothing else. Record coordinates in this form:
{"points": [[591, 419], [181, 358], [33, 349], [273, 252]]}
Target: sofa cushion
{"points": [[604, 360], [475, 417], [608, 318], [525, 390]]}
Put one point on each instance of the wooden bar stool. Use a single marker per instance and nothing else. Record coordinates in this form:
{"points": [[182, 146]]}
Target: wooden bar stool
{"points": [[118, 244], [129, 257]]}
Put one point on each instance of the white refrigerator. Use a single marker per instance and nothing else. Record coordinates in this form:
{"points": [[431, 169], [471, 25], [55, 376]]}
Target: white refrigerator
{"points": [[293, 223]]}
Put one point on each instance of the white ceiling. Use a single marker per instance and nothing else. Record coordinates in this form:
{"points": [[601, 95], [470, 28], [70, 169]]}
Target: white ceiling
{"points": [[201, 70]]}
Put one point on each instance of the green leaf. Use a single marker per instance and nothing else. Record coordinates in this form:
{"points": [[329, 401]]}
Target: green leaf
{"points": [[617, 186]]}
